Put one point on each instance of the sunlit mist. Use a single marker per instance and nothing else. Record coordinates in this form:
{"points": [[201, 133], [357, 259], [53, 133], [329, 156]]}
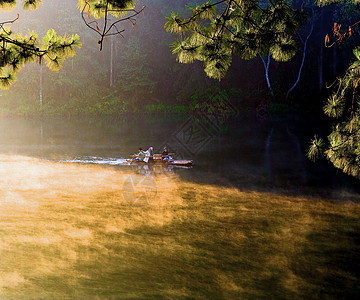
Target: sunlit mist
{"points": [[74, 230], [179, 149]]}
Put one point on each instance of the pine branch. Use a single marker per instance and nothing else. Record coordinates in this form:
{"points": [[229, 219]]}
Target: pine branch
{"points": [[106, 29]]}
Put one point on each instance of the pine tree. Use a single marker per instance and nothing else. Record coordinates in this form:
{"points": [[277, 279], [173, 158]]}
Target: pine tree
{"points": [[120, 10], [16, 50], [342, 147], [214, 32]]}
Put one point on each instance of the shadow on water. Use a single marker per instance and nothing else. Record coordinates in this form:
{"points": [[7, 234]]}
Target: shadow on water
{"points": [[96, 227], [244, 153], [271, 157]]}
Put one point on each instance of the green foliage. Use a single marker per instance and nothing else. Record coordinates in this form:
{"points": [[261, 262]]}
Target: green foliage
{"points": [[27, 4], [343, 146], [105, 9], [16, 50], [7, 4], [334, 106], [327, 2], [238, 27], [31, 4], [347, 13], [165, 109], [209, 101], [99, 9], [212, 101], [316, 148], [7, 78], [58, 48]]}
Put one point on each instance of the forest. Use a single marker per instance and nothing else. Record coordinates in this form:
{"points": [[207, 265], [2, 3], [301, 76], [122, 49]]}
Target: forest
{"points": [[110, 58]]}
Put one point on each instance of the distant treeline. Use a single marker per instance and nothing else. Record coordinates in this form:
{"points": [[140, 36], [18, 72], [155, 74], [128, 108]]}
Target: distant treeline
{"points": [[137, 73]]}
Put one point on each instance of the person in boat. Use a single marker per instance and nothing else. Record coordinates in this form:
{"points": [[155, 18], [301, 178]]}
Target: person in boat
{"points": [[151, 151], [140, 156], [149, 154], [165, 154]]}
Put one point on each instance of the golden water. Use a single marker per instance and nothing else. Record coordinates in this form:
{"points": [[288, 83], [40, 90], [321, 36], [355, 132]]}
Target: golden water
{"points": [[88, 231]]}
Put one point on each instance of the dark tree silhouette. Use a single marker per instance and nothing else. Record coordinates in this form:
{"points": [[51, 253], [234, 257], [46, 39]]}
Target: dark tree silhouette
{"points": [[342, 146]]}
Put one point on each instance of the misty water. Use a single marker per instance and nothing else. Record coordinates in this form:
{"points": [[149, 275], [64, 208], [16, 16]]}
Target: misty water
{"points": [[252, 218], [241, 151]]}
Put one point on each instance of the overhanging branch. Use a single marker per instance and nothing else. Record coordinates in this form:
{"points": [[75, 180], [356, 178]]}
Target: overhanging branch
{"points": [[108, 29]]}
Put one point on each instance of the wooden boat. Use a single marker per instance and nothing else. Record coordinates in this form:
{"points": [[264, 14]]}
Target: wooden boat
{"points": [[174, 162], [157, 160]]}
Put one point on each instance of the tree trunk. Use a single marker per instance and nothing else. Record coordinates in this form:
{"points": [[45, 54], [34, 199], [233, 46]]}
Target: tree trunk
{"points": [[302, 61], [266, 66], [40, 85], [111, 60], [115, 58]]}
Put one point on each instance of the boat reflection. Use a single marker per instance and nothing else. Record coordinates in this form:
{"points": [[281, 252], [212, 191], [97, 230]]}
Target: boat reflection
{"points": [[156, 169], [140, 168]]}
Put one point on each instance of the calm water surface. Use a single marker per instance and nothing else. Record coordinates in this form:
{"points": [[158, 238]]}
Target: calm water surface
{"points": [[253, 218]]}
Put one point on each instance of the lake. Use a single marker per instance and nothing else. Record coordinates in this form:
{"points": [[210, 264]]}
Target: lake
{"points": [[253, 218]]}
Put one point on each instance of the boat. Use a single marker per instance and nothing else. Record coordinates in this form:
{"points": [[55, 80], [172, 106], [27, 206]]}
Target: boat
{"points": [[157, 159], [174, 162]]}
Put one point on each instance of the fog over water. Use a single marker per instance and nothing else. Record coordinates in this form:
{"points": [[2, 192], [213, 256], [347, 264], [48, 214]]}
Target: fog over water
{"points": [[251, 154], [75, 225], [252, 218]]}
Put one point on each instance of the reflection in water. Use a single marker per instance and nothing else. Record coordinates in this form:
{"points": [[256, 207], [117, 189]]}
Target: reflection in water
{"points": [[136, 167], [251, 155], [267, 153], [278, 164], [95, 231]]}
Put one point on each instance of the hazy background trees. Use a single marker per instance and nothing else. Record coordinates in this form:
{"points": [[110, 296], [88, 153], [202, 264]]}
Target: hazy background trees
{"points": [[269, 52], [103, 82]]}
